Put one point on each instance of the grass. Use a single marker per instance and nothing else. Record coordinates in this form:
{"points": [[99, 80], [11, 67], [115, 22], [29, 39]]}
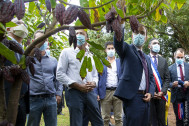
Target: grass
{"points": [[62, 120]]}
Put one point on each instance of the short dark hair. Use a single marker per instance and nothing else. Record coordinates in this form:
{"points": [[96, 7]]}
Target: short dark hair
{"points": [[179, 49], [108, 43], [38, 31], [152, 40]]}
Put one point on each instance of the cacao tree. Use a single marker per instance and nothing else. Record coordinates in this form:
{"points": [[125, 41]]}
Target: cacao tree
{"points": [[56, 16]]}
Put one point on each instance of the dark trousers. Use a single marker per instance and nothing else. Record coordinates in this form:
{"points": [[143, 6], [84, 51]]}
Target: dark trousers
{"points": [[136, 111], [157, 112], [80, 103], [21, 116], [175, 107]]}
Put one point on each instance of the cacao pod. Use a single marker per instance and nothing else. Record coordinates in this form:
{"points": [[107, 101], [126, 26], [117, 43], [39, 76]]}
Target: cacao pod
{"points": [[48, 5], [116, 26], [41, 25], [110, 16], [108, 26], [25, 77], [19, 8], [32, 69], [103, 9], [30, 60], [59, 13], [16, 47], [70, 14], [37, 53], [73, 39], [160, 11], [84, 18], [6, 11], [72, 31], [7, 74], [125, 9], [134, 23], [15, 70]]}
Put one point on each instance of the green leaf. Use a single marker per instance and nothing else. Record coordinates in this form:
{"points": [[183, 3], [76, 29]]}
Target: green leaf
{"points": [[22, 62], [53, 3], [2, 31], [98, 64], [78, 23], [179, 5], [83, 71], [106, 62], [172, 5], [89, 64], [31, 7], [158, 15], [164, 19], [2, 27], [7, 53], [11, 24], [97, 46], [180, 1], [80, 55]]}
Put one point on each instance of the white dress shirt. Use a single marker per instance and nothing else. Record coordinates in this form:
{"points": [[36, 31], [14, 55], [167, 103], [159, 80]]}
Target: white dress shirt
{"points": [[112, 79], [68, 68], [178, 71]]}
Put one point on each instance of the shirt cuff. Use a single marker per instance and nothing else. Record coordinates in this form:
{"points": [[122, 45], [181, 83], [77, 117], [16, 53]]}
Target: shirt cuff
{"points": [[59, 93]]}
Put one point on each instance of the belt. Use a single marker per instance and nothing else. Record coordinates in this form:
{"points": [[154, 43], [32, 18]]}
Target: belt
{"points": [[111, 88], [141, 92], [43, 95]]}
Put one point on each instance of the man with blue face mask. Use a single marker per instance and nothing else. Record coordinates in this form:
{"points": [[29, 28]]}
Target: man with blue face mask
{"points": [[179, 74], [107, 85], [136, 85], [161, 73], [45, 89], [80, 95]]}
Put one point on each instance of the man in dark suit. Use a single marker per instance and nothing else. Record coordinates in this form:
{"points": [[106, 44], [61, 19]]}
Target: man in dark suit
{"points": [[107, 85], [179, 74], [17, 34], [136, 85], [157, 103]]}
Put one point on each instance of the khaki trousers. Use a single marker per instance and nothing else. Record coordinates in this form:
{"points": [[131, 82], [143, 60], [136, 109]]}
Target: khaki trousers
{"points": [[109, 102]]}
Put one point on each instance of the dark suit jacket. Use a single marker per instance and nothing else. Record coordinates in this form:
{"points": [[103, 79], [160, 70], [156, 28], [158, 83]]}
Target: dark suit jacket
{"points": [[175, 92], [101, 89], [132, 69], [164, 73]]}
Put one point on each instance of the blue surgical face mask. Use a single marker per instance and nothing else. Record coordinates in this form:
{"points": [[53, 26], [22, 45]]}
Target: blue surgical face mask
{"points": [[48, 52], [80, 39], [179, 61], [156, 48], [44, 46], [138, 40], [110, 53]]}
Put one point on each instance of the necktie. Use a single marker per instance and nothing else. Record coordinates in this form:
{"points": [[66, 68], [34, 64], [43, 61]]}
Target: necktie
{"points": [[181, 72], [155, 60], [145, 69]]}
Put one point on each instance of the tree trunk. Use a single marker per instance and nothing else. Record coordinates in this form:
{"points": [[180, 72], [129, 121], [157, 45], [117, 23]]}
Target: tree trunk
{"points": [[2, 100], [14, 96]]}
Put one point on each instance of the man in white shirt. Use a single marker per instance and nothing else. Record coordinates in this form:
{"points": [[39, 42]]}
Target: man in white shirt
{"points": [[179, 73], [80, 95], [107, 85]]}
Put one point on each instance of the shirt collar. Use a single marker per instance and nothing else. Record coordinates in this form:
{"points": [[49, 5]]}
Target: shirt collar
{"points": [[153, 55], [181, 64]]}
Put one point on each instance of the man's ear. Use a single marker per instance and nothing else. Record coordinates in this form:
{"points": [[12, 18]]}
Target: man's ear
{"points": [[32, 40], [8, 29]]}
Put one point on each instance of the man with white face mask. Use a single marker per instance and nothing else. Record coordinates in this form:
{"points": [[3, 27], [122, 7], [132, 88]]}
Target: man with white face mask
{"points": [[107, 85], [136, 85], [161, 74], [17, 34], [179, 74], [80, 94]]}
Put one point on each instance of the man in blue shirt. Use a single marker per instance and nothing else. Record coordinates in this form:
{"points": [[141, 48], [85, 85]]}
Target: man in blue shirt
{"points": [[45, 90]]}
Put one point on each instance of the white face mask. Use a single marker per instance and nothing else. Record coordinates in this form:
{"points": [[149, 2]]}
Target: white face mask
{"points": [[20, 31], [110, 53], [156, 48]]}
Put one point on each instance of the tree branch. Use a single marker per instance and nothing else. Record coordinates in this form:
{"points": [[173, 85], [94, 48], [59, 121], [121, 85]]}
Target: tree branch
{"points": [[62, 1], [54, 31], [29, 0]]}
